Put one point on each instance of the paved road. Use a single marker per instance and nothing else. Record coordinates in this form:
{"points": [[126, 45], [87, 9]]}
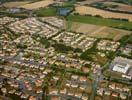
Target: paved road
{"points": [[97, 78]]}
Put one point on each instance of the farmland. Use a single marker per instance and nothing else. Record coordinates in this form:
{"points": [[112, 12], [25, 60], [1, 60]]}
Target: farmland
{"points": [[97, 31], [124, 1], [15, 4], [113, 6], [36, 5], [101, 21], [84, 10]]}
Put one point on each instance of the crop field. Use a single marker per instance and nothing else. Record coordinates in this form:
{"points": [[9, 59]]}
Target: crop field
{"points": [[100, 21], [36, 5], [120, 7], [15, 4], [83, 10], [112, 33], [97, 31]]}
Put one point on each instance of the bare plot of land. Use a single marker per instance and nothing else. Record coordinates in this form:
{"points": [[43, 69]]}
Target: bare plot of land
{"points": [[83, 28], [15, 4], [99, 31], [120, 7], [83, 10], [113, 33], [37, 5]]}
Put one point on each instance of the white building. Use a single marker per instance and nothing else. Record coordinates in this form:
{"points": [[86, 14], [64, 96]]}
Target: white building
{"points": [[121, 68]]}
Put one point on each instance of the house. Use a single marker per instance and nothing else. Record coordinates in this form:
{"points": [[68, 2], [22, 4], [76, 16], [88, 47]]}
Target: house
{"points": [[83, 79], [107, 92], [112, 86], [53, 91], [123, 96], [55, 98], [100, 91], [78, 94], [115, 94], [84, 97], [127, 49], [32, 98], [63, 91]]}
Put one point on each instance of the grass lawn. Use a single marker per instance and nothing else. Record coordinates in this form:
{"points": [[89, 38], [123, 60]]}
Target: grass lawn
{"points": [[67, 4], [101, 21], [101, 60], [42, 12]]}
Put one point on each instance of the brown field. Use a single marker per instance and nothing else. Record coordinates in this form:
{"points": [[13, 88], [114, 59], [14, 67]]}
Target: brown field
{"points": [[83, 10], [36, 5], [98, 31], [113, 33], [121, 7], [15, 4]]}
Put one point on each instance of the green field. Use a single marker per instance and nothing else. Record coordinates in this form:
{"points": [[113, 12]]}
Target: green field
{"points": [[67, 4], [101, 21], [42, 12]]}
